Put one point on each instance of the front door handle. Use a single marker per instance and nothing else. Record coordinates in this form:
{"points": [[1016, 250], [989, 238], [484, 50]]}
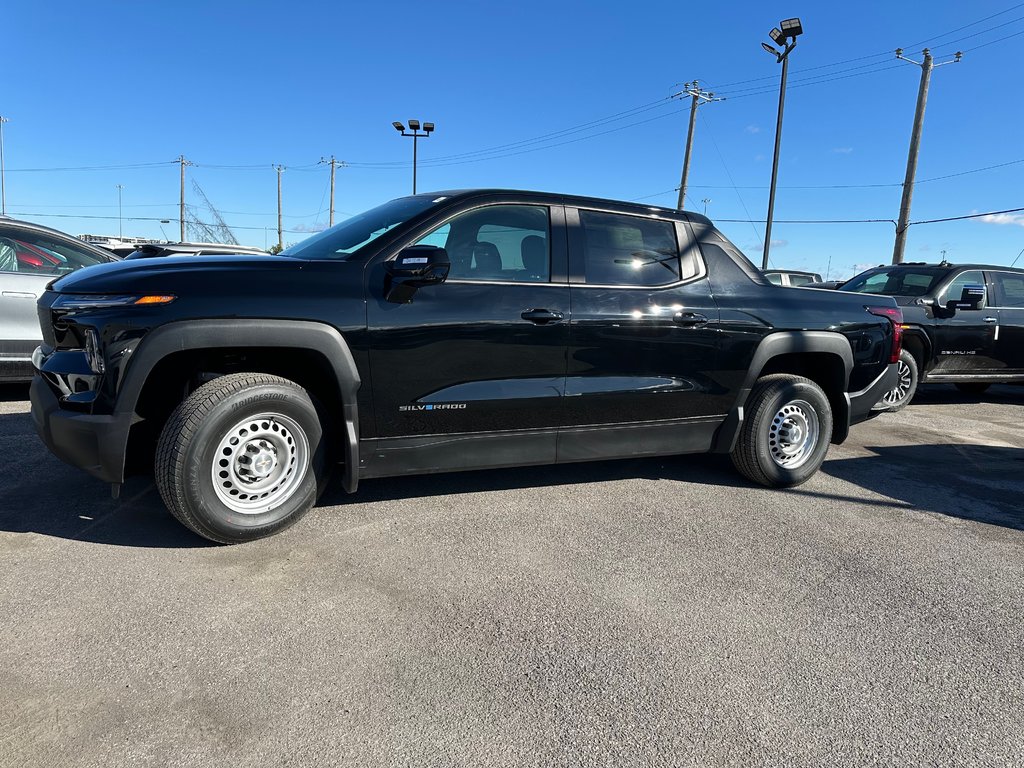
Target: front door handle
{"points": [[541, 316], [990, 319], [689, 319]]}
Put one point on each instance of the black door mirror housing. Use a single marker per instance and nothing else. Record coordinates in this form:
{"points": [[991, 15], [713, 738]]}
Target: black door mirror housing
{"points": [[972, 298], [413, 268]]}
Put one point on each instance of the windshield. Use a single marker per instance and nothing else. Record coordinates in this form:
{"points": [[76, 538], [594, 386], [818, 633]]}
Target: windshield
{"points": [[897, 281], [346, 238]]}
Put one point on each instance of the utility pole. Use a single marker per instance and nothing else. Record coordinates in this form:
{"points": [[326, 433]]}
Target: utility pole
{"points": [[120, 227], [927, 65], [334, 164], [280, 231], [3, 181], [697, 97], [181, 207]]}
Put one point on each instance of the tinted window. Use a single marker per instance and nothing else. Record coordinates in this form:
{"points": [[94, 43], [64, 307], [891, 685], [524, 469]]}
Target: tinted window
{"points": [[499, 242], [897, 281], [1010, 289], [800, 280], [955, 289], [346, 238], [774, 278], [41, 254], [628, 250]]}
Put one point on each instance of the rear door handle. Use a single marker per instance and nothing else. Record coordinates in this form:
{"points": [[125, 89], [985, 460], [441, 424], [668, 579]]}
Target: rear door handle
{"points": [[541, 316], [689, 319], [990, 319]]}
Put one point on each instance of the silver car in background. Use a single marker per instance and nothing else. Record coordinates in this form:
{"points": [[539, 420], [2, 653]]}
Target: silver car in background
{"points": [[30, 257]]}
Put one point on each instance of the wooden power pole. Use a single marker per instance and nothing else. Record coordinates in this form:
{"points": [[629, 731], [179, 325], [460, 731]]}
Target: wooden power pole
{"points": [[280, 230]]}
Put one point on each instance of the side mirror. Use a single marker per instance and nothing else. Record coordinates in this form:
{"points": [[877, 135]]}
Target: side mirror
{"points": [[413, 268], [972, 298]]}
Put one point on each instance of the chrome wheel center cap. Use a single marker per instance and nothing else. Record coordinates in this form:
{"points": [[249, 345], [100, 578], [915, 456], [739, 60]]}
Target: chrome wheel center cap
{"points": [[263, 463]]}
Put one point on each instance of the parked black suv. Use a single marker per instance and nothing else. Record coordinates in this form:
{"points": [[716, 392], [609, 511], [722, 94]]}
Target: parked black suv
{"points": [[963, 324], [454, 330]]}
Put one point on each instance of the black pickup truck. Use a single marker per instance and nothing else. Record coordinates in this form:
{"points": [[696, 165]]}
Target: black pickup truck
{"points": [[963, 324], [447, 331]]}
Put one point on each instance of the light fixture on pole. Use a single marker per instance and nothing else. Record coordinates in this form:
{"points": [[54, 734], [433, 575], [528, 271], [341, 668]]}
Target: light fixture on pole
{"points": [[784, 36], [414, 127]]}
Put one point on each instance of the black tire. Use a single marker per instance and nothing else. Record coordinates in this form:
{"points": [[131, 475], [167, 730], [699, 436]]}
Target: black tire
{"points": [[765, 452], [899, 398], [209, 459], [973, 388]]}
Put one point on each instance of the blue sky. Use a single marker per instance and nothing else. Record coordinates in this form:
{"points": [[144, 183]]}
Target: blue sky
{"points": [[254, 84]]}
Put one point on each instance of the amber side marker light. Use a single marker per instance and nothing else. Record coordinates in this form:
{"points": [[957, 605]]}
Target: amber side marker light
{"points": [[155, 299]]}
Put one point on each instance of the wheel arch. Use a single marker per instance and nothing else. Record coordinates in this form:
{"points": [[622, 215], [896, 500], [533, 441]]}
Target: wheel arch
{"points": [[825, 357], [318, 343], [918, 344]]}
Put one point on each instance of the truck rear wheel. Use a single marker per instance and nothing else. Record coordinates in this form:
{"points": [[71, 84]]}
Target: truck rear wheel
{"points": [[243, 457], [899, 397], [787, 434]]}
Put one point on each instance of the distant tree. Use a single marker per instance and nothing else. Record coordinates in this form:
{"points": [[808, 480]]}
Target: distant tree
{"points": [[275, 249]]}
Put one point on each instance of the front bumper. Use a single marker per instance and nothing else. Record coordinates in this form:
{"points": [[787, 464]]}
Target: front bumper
{"points": [[95, 443], [862, 402]]}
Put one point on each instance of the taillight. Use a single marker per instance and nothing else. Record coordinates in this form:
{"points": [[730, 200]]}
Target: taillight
{"points": [[895, 316]]}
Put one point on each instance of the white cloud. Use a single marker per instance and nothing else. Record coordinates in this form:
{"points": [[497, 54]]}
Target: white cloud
{"points": [[1004, 218], [310, 228], [753, 129], [843, 150], [780, 243]]}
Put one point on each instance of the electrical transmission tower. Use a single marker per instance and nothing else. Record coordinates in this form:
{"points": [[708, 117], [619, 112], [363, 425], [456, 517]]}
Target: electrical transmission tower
{"points": [[217, 232]]}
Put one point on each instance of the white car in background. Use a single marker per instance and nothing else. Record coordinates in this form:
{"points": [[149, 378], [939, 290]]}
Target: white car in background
{"points": [[30, 257]]}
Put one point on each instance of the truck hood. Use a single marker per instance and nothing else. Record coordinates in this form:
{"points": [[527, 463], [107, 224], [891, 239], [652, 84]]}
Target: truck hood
{"points": [[162, 275]]}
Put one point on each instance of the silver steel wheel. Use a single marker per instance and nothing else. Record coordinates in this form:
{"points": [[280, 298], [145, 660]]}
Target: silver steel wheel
{"points": [[260, 463], [899, 393], [793, 434]]}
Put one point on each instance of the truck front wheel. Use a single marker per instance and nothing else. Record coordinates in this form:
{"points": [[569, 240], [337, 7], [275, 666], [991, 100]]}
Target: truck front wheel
{"points": [[787, 434], [243, 457]]}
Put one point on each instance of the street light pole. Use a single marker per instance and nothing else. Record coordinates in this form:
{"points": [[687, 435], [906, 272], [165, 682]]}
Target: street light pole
{"points": [[775, 164], [414, 127], [3, 180], [784, 35]]}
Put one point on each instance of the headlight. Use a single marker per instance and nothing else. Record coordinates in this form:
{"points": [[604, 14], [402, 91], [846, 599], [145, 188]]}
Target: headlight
{"points": [[73, 301]]}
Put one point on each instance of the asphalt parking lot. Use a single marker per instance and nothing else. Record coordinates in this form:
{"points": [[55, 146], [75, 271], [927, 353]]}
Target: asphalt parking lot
{"points": [[646, 612]]}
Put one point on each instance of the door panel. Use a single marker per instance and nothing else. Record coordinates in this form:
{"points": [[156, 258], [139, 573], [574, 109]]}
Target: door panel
{"points": [[965, 342], [1009, 343], [639, 353], [484, 351]]}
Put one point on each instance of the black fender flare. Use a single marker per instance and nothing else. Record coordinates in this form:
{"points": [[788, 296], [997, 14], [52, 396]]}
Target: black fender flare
{"points": [[186, 335], [920, 335], [785, 343]]}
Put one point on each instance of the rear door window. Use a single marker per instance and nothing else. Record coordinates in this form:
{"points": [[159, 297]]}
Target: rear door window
{"points": [[1009, 289], [628, 250]]}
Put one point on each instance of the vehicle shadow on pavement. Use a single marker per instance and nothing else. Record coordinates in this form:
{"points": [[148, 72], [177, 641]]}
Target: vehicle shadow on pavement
{"points": [[692, 468], [983, 483], [943, 394], [10, 393], [41, 494]]}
